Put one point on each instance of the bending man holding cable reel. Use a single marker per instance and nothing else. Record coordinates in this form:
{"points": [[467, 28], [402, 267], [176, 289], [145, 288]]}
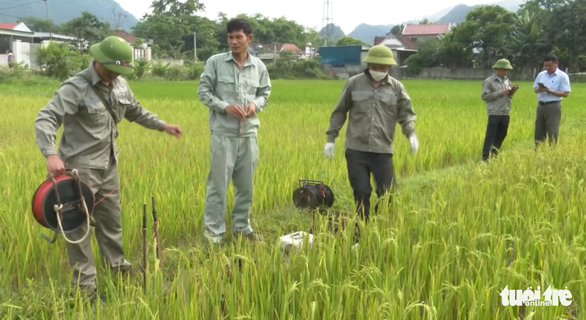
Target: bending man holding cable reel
{"points": [[376, 103], [90, 105]]}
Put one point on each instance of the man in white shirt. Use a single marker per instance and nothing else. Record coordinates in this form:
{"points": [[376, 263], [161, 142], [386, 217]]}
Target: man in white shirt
{"points": [[551, 86]]}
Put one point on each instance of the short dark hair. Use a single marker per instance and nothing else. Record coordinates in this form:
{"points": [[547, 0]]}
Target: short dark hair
{"points": [[238, 25], [550, 57]]}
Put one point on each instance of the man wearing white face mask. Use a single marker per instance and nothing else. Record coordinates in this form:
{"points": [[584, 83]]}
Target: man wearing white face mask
{"points": [[376, 103]]}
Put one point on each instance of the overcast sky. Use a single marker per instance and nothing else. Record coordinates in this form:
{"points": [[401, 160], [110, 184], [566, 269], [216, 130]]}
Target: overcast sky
{"points": [[347, 14]]}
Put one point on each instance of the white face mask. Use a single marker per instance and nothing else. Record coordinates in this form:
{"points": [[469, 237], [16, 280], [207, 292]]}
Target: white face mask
{"points": [[377, 75]]}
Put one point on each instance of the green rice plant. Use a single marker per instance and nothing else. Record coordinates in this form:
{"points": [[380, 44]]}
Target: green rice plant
{"points": [[444, 246]]}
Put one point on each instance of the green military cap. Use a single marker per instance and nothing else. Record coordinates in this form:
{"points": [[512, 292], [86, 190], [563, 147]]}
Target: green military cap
{"points": [[503, 64], [380, 54], [115, 54]]}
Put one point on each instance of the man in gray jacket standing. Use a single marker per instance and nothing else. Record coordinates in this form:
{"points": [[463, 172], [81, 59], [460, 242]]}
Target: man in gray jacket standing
{"points": [[235, 86], [373, 102], [497, 93]]}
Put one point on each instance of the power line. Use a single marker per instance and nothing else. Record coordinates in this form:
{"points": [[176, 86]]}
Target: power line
{"points": [[9, 15], [21, 5]]}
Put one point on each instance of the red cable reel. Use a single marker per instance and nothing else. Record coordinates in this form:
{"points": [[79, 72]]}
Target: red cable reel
{"points": [[63, 204]]}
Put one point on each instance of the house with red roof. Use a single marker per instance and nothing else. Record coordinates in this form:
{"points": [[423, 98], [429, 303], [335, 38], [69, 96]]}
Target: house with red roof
{"points": [[16, 37], [418, 32], [405, 44], [401, 45], [129, 37], [10, 32], [19, 39], [268, 52]]}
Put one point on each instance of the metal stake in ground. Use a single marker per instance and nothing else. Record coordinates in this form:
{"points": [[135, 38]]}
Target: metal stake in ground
{"points": [[158, 250], [156, 229], [144, 247]]}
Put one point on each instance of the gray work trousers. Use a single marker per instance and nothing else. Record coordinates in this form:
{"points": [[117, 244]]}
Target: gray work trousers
{"points": [[108, 228], [547, 122], [232, 158]]}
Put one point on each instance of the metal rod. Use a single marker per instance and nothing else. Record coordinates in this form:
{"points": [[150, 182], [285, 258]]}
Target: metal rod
{"points": [[156, 227], [156, 230], [144, 246]]}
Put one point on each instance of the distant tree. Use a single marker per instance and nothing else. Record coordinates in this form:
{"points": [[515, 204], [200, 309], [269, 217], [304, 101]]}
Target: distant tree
{"points": [[176, 8], [427, 56], [487, 29], [39, 25], [312, 36], [118, 18], [349, 41], [527, 43], [566, 29], [87, 28], [425, 21], [398, 29]]}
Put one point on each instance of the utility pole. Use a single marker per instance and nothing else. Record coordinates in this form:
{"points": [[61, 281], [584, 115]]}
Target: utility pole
{"points": [[195, 45], [50, 29]]}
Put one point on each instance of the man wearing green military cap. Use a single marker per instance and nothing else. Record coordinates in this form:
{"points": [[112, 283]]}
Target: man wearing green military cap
{"points": [[497, 92], [376, 102], [89, 105]]}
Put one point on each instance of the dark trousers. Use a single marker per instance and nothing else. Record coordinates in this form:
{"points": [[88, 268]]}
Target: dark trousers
{"points": [[547, 122], [360, 166], [496, 132]]}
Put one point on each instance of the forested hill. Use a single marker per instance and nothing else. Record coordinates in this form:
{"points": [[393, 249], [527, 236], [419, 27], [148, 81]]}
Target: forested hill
{"points": [[61, 11], [458, 13], [366, 32], [363, 32]]}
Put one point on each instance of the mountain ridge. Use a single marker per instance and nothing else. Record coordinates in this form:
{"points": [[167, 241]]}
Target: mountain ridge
{"points": [[452, 14], [61, 11]]}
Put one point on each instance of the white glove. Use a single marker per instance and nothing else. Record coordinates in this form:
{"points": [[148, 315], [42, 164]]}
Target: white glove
{"points": [[414, 143], [329, 150]]}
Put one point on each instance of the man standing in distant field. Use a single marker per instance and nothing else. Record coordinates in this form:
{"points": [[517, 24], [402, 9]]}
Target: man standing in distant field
{"points": [[497, 92], [376, 102], [90, 105], [551, 85], [235, 86]]}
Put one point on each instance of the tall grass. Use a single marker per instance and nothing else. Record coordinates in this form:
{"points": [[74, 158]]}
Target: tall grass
{"points": [[457, 233]]}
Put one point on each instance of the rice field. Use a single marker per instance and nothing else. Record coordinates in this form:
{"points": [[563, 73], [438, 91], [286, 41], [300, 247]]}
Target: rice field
{"points": [[458, 232]]}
